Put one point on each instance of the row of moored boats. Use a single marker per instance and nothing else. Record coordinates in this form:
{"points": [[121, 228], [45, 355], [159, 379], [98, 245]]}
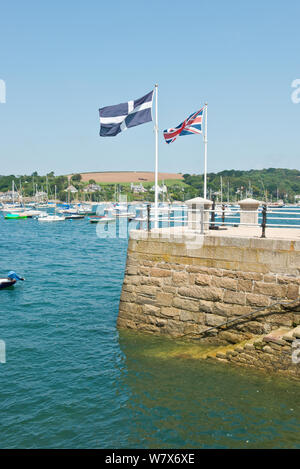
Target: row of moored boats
{"points": [[52, 212]]}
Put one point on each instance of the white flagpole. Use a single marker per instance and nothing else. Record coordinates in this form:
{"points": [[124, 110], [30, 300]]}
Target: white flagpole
{"points": [[205, 154], [156, 160]]}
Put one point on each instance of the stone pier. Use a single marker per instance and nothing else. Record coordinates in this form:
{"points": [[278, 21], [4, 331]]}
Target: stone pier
{"points": [[179, 283]]}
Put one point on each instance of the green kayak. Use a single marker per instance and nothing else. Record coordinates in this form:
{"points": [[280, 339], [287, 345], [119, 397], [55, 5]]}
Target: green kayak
{"points": [[14, 216]]}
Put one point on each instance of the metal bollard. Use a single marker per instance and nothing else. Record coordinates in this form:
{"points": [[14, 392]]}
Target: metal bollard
{"points": [[223, 214], [264, 221], [212, 220], [148, 217]]}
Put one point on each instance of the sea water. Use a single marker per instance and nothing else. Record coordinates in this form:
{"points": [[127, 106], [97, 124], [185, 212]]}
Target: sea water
{"points": [[72, 380]]}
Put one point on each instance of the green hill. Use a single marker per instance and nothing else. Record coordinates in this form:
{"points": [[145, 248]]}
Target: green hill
{"points": [[265, 184], [261, 184]]}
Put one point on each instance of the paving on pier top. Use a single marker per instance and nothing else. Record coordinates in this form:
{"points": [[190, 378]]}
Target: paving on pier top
{"points": [[239, 232]]}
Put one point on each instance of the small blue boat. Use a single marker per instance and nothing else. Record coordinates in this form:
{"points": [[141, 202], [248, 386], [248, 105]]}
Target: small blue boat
{"points": [[10, 280]]}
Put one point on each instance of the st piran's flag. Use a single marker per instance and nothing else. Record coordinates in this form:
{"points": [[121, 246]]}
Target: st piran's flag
{"points": [[115, 119]]}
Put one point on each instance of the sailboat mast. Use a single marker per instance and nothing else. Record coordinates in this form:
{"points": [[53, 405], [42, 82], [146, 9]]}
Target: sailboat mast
{"points": [[221, 189], [228, 192]]}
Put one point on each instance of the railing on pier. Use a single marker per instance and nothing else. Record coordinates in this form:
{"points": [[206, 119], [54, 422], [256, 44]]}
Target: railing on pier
{"points": [[221, 217]]}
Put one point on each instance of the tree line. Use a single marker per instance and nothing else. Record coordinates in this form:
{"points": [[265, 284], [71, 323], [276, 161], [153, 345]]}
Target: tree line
{"points": [[265, 184]]}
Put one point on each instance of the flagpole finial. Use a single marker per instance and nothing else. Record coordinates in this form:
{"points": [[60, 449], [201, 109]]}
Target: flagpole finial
{"points": [[156, 85]]}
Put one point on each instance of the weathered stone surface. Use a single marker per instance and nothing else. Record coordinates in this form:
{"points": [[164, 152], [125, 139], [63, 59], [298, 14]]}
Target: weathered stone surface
{"points": [[134, 279], [220, 309], [170, 312], [276, 346], [148, 290], [144, 271], [183, 303], [206, 306], [270, 289], [245, 285], [169, 289], [151, 309], [225, 282], [231, 337], [130, 307], [292, 292], [151, 281], [250, 275], [270, 278], [160, 322], [268, 349], [213, 320], [254, 327], [276, 336], [186, 316], [127, 296], [287, 279], [202, 279], [160, 272], [257, 300], [128, 288], [180, 278], [174, 327], [277, 320], [165, 265], [204, 293], [126, 324], [164, 299], [131, 270], [197, 268], [238, 298], [147, 328], [147, 263], [230, 273], [249, 347], [296, 332]]}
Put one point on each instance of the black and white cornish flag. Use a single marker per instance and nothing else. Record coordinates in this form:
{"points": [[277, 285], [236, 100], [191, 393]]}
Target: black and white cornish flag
{"points": [[115, 119]]}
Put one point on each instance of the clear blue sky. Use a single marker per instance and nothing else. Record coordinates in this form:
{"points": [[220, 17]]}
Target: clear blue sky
{"points": [[62, 60]]}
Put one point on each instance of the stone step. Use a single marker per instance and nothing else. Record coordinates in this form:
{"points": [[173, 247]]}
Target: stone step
{"points": [[292, 334], [282, 335], [222, 350], [277, 335]]}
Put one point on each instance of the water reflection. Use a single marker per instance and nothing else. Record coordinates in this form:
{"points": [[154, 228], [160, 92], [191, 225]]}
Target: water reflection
{"points": [[177, 400]]}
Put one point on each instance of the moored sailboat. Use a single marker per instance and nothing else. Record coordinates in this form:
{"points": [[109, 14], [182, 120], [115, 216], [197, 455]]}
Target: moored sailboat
{"points": [[52, 218]]}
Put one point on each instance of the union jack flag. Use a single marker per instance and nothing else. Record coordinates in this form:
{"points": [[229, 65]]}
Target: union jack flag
{"points": [[191, 125]]}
